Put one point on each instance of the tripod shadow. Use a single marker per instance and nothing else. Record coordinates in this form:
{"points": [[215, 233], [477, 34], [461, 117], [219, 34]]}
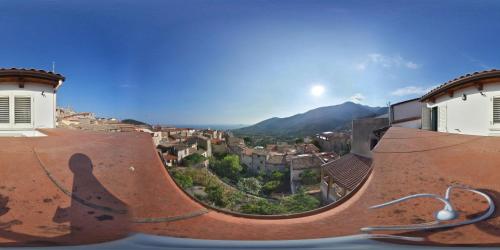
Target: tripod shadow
{"points": [[94, 214]]}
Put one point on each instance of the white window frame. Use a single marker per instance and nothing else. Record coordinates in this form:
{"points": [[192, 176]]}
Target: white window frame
{"points": [[12, 125], [13, 121], [9, 124], [493, 126]]}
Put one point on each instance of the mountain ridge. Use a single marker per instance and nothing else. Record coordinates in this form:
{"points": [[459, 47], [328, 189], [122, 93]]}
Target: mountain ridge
{"points": [[327, 118]]}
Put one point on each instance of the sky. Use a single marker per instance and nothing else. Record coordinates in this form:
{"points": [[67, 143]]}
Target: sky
{"points": [[240, 62]]}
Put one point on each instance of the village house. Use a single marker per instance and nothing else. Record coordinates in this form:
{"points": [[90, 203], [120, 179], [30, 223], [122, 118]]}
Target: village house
{"points": [[406, 114], [246, 158], [180, 151], [259, 157], [306, 148], [201, 142], [28, 98], [276, 162], [469, 104], [301, 163], [333, 141], [343, 175]]}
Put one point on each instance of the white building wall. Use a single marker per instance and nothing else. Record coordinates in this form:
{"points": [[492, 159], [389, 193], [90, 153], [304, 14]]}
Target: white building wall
{"points": [[43, 106], [407, 110], [473, 116], [409, 124]]}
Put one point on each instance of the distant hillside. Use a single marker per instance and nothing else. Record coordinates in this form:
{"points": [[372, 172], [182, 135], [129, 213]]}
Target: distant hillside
{"points": [[314, 121], [135, 122]]}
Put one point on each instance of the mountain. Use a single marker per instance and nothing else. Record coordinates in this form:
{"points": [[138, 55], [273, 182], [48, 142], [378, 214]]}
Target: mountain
{"points": [[135, 122], [314, 121]]}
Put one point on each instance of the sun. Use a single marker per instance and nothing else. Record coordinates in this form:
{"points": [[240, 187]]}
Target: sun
{"points": [[317, 90]]}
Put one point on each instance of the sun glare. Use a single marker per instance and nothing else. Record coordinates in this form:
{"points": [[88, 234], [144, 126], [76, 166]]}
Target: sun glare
{"points": [[317, 90]]}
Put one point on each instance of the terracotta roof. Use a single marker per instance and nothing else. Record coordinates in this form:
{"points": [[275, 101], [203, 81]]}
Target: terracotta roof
{"points": [[349, 170], [461, 80], [406, 161], [4, 72]]}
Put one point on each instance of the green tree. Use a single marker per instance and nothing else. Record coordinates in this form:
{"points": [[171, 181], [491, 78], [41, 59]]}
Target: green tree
{"points": [[277, 176], [193, 159], [248, 140], [185, 181], [309, 177], [299, 202], [270, 187], [215, 194], [228, 167], [299, 140], [262, 207], [250, 185]]}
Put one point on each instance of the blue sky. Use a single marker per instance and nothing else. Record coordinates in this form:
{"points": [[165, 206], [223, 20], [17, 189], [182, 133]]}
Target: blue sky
{"points": [[227, 62]]}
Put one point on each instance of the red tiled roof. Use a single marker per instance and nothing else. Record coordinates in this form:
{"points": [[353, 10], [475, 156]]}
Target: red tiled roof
{"points": [[32, 73], [349, 170], [464, 79]]}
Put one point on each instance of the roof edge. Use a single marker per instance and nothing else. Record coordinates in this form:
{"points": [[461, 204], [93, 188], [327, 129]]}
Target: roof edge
{"points": [[464, 79]]}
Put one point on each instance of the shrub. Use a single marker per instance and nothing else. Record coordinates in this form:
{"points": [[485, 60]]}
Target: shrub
{"points": [[193, 159], [215, 194], [277, 176], [262, 207], [309, 177], [185, 181], [299, 202], [250, 185], [270, 186]]}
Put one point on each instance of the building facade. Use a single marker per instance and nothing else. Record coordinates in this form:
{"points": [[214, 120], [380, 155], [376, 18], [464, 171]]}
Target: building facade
{"points": [[28, 98], [469, 104], [407, 114]]}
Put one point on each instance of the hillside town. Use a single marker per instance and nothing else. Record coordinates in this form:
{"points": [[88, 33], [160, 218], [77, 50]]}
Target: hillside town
{"points": [[300, 164]]}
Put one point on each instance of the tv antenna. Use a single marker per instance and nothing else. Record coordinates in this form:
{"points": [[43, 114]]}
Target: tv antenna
{"points": [[53, 67]]}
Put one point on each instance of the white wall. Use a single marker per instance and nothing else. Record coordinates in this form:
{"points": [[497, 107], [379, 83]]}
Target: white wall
{"points": [[409, 124], [473, 116], [43, 107], [407, 110]]}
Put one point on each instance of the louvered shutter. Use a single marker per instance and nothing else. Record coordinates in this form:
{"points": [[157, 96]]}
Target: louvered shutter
{"points": [[496, 110], [4, 110], [22, 109]]}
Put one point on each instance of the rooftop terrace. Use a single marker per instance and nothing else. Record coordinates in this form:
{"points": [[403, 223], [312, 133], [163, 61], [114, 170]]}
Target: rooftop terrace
{"points": [[51, 195]]}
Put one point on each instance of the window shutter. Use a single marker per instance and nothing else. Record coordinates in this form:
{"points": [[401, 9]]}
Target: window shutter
{"points": [[22, 110], [496, 110], [4, 109]]}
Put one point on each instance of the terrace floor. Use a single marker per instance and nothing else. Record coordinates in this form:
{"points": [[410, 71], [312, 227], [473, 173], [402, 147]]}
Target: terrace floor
{"points": [[77, 187]]}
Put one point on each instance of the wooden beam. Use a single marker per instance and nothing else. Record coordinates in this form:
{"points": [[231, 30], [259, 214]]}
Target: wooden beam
{"points": [[479, 86], [450, 93]]}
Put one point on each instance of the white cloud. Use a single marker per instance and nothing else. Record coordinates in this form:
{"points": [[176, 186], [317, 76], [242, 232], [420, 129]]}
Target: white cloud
{"points": [[411, 90], [411, 65], [357, 98], [361, 66], [386, 62]]}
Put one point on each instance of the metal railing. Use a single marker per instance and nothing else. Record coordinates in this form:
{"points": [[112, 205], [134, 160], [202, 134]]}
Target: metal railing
{"points": [[448, 213]]}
